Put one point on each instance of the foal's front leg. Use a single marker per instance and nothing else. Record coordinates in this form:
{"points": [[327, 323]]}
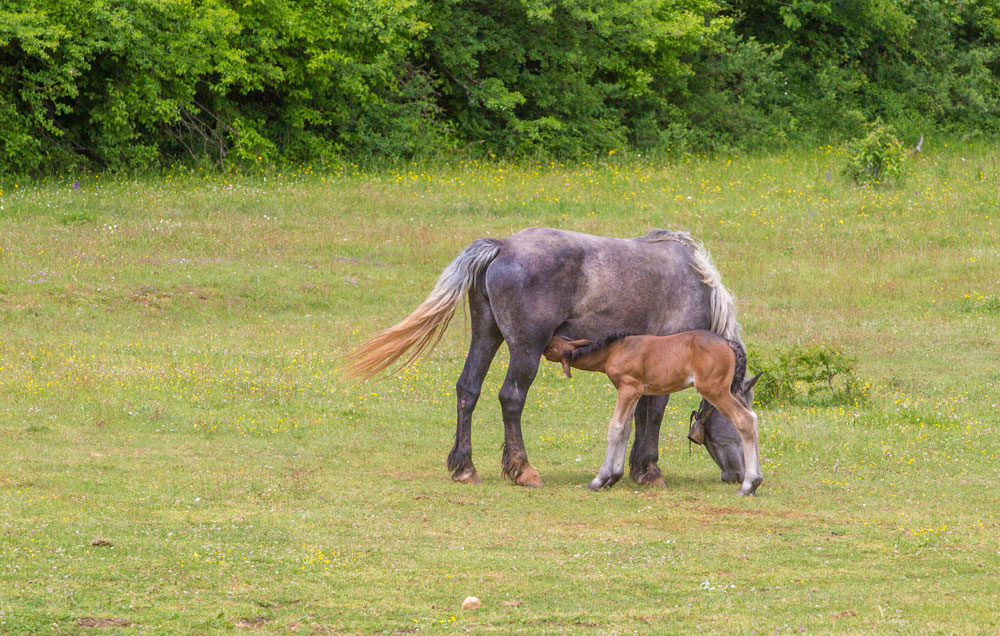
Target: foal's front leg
{"points": [[618, 432]]}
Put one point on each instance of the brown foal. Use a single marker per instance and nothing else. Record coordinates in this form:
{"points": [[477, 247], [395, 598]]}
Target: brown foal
{"points": [[658, 365]]}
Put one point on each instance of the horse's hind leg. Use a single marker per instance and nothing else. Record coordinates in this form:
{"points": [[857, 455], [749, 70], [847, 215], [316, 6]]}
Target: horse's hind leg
{"points": [[646, 448], [486, 340], [520, 374], [745, 421]]}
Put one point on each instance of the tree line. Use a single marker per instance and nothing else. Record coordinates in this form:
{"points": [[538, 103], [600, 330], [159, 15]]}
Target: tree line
{"points": [[133, 84]]}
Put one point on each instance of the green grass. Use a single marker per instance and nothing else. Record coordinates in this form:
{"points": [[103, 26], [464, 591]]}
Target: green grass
{"points": [[170, 382]]}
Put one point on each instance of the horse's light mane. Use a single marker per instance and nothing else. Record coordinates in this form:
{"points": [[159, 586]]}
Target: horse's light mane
{"points": [[722, 304]]}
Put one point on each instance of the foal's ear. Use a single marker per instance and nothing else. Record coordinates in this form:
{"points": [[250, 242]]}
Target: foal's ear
{"points": [[576, 344], [565, 366]]}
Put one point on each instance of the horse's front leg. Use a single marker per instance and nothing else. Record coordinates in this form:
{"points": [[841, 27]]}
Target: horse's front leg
{"points": [[618, 432], [513, 393], [646, 447]]}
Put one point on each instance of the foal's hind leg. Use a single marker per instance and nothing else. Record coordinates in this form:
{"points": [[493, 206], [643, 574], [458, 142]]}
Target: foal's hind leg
{"points": [[486, 339], [745, 421], [618, 431]]}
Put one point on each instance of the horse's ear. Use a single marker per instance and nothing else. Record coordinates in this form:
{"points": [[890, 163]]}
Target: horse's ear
{"points": [[576, 344], [749, 385]]}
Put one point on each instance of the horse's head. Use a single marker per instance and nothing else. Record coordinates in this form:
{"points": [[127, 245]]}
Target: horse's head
{"points": [[720, 437]]}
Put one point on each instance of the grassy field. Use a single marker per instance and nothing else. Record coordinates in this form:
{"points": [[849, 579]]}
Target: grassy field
{"points": [[179, 452]]}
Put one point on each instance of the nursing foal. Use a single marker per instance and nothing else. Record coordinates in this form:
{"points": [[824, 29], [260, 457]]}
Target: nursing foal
{"points": [[658, 365]]}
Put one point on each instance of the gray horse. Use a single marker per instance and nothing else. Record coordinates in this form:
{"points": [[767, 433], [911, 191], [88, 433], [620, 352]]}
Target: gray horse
{"points": [[542, 282]]}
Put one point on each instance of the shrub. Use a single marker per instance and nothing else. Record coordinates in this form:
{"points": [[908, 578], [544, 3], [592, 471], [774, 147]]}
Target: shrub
{"points": [[815, 374], [876, 158]]}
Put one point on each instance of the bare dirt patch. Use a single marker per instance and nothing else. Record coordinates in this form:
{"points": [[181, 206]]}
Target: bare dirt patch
{"points": [[90, 623], [252, 622]]}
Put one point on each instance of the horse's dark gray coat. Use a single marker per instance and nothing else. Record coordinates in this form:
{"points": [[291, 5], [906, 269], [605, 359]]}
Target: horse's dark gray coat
{"points": [[543, 282]]}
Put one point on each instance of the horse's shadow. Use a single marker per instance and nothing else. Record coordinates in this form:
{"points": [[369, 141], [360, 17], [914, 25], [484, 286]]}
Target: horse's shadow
{"points": [[569, 476]]}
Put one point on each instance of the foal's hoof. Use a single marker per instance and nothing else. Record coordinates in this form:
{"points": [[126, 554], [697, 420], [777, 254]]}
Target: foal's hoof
{"points": [[529, 478], [466, 475], [749, 489], [603, 482]]}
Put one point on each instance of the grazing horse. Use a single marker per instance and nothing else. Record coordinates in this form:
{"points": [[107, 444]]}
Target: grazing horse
{"points": [[540, 282], [660, 365]]}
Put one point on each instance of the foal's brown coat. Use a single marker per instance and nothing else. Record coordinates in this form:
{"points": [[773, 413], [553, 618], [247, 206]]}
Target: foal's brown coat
{"points": [[658, 365]]}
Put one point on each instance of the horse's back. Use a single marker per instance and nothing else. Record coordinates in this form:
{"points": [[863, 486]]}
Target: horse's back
{"points": [[597, 264], [591, 286]]}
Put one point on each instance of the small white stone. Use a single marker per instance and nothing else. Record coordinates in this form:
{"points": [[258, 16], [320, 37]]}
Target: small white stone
{"points": [[471, 603]]}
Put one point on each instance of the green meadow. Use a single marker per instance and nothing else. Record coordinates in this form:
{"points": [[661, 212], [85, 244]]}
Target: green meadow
{"points": [[179, 451]]}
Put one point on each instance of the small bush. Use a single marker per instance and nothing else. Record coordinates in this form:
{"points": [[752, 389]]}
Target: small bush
{"points": [[818, 374], [876, 158]]}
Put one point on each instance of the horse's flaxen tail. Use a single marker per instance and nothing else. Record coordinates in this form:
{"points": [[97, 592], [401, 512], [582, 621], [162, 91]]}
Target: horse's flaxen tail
{"points": [[421, 330]]}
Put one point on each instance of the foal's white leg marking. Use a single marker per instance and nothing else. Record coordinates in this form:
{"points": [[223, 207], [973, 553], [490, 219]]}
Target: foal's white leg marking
{"points": [[619, 430], [621, 445], [751, 459], [745, 421]]}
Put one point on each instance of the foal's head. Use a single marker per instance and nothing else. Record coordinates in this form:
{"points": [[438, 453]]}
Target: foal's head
{"points": [[561, 348]]}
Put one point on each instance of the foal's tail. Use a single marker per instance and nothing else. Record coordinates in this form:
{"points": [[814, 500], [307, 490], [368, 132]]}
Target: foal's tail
{"points": [[422, 329], [740, 370]]}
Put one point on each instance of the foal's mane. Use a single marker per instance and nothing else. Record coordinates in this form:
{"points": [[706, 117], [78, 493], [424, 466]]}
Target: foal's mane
{"points": [[597, 346]]}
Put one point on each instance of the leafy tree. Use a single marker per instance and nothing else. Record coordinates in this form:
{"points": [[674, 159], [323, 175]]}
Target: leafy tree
{"points": [[131, 84], [564, 76]]}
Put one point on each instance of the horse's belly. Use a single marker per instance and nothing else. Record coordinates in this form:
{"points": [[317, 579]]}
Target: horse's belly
{"points": [[666, 387]]}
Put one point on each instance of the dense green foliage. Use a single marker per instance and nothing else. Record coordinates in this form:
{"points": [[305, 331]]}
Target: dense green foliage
{"points": [[128, 84]]}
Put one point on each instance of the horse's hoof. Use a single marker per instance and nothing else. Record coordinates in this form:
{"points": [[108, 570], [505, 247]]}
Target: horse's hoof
{"points": [[732, 477], [655, 482], [466, 476], [529, 478]]}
